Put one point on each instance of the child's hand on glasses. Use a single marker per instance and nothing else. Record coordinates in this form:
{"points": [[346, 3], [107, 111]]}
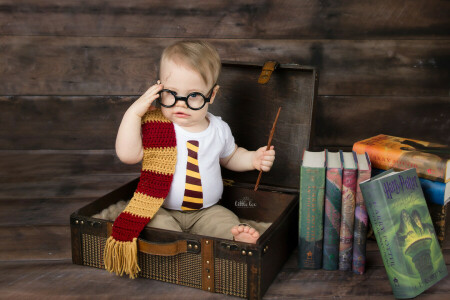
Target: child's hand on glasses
{"points": [[144, 103]]}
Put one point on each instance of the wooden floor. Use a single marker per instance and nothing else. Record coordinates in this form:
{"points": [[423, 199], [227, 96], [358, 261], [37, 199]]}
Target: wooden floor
{"points": [[40, 189]]}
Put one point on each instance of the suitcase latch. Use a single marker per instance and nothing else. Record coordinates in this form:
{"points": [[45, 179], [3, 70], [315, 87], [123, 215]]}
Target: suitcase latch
{"points": [[234, 247], [268, 68], [230, 247]]}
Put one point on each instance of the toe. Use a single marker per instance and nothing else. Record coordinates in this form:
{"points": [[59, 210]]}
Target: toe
{"points": [[235, 230]]}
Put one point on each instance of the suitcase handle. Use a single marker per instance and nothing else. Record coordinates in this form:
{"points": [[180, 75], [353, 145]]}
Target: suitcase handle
{"points": [[163, 249]]}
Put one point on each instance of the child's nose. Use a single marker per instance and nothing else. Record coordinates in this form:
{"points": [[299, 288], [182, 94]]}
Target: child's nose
{"points": [[180, 103]]}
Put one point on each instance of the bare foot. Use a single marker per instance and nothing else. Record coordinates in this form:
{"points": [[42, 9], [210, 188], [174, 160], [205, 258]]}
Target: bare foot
{"points": [[243, 233]]}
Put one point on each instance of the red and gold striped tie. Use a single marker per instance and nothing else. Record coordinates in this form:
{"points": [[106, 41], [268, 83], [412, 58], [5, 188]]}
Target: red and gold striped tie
{"points": [[193, 194]]}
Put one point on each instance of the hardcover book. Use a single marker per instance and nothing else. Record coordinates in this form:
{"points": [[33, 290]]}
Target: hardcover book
{"points": [[347, 210], [431, 160], [332, 218], [435, 191], [404, 232], [361, 217], [438, 215], [312, 194], [434, 198]]}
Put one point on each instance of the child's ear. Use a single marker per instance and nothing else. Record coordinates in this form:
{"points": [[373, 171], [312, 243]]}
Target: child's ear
{"points": [[214, 93]]}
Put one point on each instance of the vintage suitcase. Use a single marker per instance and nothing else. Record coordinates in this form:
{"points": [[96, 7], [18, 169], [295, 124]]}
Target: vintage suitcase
{"points": [[248, 100]]}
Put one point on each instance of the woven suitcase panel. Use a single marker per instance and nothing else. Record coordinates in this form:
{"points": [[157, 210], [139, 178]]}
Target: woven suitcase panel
{"points": [[182, 269], [230, 277], [93, 250]]}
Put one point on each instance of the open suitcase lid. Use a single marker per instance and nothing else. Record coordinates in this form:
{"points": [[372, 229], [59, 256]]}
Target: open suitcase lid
{"points": [[250, 109]]}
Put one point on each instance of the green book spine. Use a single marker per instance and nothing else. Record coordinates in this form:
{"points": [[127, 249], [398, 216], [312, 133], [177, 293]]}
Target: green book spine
{"points": [[312, 193], [404, 232]]}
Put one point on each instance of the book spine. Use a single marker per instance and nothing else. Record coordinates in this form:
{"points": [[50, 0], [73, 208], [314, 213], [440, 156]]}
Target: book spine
{"points": [[312, 193], [332, 219], [347, 219], [382, 157], [434, 191], [438, 215], [361, 225]]}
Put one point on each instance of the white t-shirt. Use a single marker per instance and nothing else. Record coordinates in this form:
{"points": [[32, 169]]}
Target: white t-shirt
{"points": [[215, 142]]}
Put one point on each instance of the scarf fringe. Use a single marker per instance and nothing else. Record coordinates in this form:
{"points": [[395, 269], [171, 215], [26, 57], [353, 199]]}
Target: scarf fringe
{"points": [[121, 257]]}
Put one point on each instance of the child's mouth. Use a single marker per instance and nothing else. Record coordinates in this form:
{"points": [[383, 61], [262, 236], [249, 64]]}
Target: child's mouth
{"points": [[181, 115]]}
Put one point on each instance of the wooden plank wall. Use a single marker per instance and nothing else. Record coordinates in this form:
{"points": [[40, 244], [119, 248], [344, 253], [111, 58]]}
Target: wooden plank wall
{"points": [[69, 69]]}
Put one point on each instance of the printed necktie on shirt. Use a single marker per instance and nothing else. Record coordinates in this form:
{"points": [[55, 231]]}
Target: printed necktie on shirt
{"points": [[193, 193]]}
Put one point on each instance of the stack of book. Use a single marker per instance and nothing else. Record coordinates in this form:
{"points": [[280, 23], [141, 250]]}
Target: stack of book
{"points": [[431, 161], [335, 239], [340, 190]]}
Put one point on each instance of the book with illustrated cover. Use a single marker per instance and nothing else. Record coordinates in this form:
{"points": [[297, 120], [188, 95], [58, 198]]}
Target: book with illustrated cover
{"points": [[433, 192], [332, 217], [349, 176], [431, 160], [361, 217], [404, 232], [312, 194]]}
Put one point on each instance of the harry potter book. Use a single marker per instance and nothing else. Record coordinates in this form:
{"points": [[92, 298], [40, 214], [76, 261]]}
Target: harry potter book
{"points": [[361, 217], [404, 232], [312, 193], [434, 195], [347, 211], [332, 217], [431, 160]]}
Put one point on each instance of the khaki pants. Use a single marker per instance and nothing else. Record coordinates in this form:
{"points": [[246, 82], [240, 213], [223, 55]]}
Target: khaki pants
{"points": [[215, 221]]}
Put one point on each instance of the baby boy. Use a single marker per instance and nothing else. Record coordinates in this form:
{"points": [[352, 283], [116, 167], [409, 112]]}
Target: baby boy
{"points": [[188, 74]]}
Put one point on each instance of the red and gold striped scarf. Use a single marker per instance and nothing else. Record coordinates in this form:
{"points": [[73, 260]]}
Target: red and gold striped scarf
{"points": [[158, 167]]}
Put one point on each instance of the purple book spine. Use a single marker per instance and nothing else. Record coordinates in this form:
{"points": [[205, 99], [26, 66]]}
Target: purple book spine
{"points": [[347, 219], [361, 225]]}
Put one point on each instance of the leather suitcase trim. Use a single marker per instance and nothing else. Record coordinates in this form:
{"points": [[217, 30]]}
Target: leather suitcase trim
{"points": [[163, 249], [208, 265]]}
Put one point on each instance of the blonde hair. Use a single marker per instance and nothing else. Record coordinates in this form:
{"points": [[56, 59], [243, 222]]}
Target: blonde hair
{"points": [[200, 56]]}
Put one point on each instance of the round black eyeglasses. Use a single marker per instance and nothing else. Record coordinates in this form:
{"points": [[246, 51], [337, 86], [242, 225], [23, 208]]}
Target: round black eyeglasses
{"points": [[194, 101]]}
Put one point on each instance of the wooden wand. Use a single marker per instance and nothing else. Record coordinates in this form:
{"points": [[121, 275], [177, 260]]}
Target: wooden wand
{"points": [[268, 145]]}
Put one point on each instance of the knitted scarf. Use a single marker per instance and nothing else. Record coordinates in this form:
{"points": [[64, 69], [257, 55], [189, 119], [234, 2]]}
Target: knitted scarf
{"points": [[158, 167]]}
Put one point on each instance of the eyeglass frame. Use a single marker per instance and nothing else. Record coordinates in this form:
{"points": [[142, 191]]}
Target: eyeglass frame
{"points": [[185, 99]]}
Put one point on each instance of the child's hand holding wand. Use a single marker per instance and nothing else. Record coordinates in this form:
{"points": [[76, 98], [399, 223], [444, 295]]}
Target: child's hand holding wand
{"points": [[267, 157]]}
